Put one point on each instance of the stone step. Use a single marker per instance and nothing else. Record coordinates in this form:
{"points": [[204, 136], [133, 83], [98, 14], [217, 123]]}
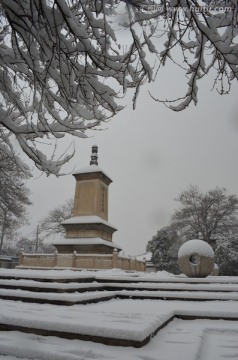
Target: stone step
{"points": [[172, 287], [44, 332], [58, 279], [112, 341], [55, 287], [71, 287], [89, 297], [168, 280], [178, 295], [55, 298]]}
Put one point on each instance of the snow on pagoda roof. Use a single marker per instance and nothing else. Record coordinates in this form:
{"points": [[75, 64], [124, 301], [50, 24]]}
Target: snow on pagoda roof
{"points": [[90, 169], [92, 219], [86, 241]]}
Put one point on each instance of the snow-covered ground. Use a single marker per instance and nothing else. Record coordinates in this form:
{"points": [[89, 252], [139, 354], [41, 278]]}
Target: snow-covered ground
{"points": [[129, 319]]}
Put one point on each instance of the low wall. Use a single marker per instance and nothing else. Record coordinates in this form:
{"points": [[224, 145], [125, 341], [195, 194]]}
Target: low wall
{"points": [[8, 262], [81, 261]]}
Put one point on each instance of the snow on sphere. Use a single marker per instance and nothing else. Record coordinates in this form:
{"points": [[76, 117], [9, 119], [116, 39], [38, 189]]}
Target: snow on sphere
{"points": [[196, 258], [200, 247]]}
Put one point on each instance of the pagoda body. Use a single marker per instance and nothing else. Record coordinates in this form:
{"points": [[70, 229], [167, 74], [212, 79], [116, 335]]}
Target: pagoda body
{"points": [[88, 231]]}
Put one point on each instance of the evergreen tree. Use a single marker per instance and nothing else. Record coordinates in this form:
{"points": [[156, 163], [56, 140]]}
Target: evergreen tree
{"points": [[164, 247], [14, 197], [226, 254]]}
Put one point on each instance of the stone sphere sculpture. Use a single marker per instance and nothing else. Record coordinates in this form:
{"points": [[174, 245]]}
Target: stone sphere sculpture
{"points": [[196, 258]]}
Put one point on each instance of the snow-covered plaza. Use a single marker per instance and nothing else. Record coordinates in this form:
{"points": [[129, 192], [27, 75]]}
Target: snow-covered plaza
{"points": [[64, 314]]}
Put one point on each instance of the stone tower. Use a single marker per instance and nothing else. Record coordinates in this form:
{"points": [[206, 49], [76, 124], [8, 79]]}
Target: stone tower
{"points": [[89, 231]]}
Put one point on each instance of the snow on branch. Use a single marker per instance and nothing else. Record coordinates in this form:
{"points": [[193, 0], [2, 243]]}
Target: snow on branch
{"points": [[204, 34], [64, 64]]}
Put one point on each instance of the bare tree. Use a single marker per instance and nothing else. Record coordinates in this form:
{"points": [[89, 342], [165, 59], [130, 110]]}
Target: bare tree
{"points": [[207, 216], [51, 224], [28, 245], [63, 64]]}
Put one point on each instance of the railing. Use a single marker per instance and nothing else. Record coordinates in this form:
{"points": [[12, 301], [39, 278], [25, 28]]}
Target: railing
{"points": [[81, 261]]}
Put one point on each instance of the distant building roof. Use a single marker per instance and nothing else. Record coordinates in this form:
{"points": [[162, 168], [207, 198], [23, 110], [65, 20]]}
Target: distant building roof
{"points": [[146, 256]]}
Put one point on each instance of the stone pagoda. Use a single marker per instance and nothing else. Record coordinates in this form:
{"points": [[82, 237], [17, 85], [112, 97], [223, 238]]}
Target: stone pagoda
{"points": [[88, 231]]}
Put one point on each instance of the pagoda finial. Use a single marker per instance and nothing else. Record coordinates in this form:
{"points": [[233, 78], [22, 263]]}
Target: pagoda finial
{"points": [[94, 155]]}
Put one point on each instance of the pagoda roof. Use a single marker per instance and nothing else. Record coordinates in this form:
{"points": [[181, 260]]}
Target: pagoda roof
{"points": [[90, 170], [86, 241], [91, 219]]}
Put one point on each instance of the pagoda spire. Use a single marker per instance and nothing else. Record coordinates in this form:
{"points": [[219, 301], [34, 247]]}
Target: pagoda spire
{"points": [[94, 155]]}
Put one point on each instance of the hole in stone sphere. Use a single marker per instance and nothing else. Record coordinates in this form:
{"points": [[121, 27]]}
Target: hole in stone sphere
{"points": [[195, 259]]}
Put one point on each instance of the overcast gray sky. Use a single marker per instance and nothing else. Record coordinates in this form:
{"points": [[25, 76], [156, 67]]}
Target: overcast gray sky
{"points": [[152, 154]]}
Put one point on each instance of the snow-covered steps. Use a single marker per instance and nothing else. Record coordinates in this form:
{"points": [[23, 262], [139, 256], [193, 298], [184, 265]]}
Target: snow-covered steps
{"points": [[174, 279], [172, 286], [50, 287], [104, 324], [60, 276], [126, 313], [70, 287], [109, 276], [55, 298], [56, 287], [178, 295], [97, 296]]}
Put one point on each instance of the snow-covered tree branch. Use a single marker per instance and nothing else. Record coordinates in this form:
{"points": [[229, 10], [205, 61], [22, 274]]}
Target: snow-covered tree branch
{"points": [[63, 64]]}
